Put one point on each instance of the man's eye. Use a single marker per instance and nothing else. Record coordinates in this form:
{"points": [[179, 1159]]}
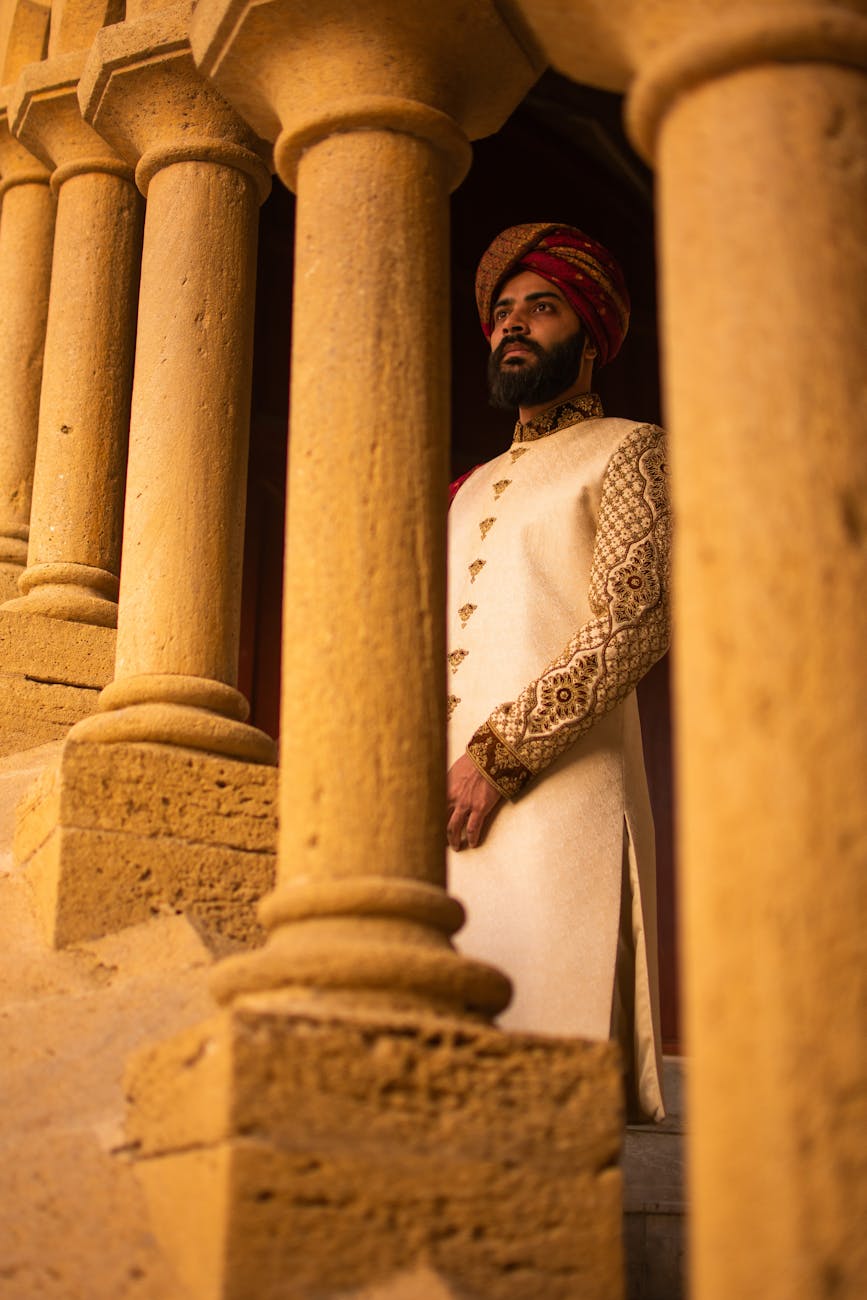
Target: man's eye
{"points": [[543, 306]]}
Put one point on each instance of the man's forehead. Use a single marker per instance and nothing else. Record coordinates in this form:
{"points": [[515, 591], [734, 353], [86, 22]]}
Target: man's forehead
{"points": [[526, 284]]}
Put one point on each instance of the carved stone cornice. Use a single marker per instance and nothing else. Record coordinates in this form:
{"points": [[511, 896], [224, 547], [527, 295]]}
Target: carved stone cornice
{"points": [[141, 91], [446, 73], [45, 116]]}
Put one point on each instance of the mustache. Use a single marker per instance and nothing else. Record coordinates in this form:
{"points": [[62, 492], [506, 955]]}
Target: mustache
{"points": [[530, 344]]}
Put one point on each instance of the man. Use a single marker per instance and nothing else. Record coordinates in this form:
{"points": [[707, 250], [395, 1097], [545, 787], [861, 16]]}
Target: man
{"points": [[558, 604]]}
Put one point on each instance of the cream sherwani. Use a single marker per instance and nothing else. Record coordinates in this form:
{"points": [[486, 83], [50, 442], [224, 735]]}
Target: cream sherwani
{"points": [[558, 564]]}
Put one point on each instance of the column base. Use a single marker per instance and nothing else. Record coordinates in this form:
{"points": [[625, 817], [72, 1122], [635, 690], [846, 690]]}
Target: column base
{"points": [[111, 836], [181, 725], [74, 604], [285, 1152]]}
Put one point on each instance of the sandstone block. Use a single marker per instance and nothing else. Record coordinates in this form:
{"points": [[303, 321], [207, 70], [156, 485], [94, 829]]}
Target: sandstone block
{"points": [[35, 712], [297, 1155], [113, 834], [56, 650]]}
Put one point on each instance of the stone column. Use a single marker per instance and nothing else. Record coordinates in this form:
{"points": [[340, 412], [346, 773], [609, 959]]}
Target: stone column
{"points": [[755, 116], [26, 233], [361, 903], [757, 124], [179, 615], [362, 759], [74, 553]]}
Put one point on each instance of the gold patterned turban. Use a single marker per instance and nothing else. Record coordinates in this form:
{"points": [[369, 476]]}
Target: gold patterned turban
{"points": [[584, 272]]}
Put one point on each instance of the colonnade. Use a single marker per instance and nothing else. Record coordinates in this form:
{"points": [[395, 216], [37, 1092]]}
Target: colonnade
{"points": [[755, 119]]}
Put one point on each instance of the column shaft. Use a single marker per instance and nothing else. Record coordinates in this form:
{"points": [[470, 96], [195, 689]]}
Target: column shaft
{"points": [[74, 553], [190, 417], [26, 230], [363, 705], [360, 904], [765, 308]]}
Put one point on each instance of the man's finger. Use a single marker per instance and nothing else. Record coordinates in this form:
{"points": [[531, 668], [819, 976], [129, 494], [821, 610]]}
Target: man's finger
{"points": [[455, 827], [475, 827]]}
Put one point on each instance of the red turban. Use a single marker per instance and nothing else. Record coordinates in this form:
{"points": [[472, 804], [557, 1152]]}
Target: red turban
{"points": [[584, 272]]}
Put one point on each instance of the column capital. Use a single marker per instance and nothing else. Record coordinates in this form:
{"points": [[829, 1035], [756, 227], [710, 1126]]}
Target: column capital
{"points": [[742, 38], [447, 72], [45, 116], [18, 166], [141, 92], [610, 43]]}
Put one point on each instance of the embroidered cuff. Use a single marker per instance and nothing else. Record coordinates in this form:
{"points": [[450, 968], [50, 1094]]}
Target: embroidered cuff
{"points": [[497, 762]]}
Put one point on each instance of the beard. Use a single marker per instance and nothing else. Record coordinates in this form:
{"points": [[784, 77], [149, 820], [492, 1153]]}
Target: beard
{"points": [[555, 370]]}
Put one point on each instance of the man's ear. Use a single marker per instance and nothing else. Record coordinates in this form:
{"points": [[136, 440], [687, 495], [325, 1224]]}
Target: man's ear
{"points": [[591, 352]]}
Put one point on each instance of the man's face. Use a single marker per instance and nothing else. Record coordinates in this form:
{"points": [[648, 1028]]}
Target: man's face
{"points": [[536, 344]]}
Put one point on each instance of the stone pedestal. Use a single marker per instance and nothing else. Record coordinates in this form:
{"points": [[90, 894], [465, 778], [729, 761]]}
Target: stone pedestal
{"points": [[75, 529], [51, 672], [291, 1153], [111, 835]]}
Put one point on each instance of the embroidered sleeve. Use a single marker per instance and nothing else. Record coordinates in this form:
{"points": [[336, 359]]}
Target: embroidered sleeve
{"points": [[608, 656]]}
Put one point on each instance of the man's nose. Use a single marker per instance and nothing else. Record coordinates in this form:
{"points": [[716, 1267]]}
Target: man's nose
{"points": [[514, 325]]}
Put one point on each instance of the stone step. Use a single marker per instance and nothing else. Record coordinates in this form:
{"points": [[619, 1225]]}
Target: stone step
{"points": [[654, 1198], [74, 1223]]}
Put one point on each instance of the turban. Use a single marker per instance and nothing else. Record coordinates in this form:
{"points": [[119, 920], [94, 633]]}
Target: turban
{"points": [[584, 272]]}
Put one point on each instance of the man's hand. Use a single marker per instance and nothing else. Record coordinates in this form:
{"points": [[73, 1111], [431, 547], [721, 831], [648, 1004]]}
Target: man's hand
{"points": [[470, 801]]}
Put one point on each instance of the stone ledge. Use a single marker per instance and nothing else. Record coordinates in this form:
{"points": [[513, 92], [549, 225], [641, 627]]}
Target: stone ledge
{"points": [[56, 650], [33, 713], [153, 790], [339, 1152], [113, 834]]}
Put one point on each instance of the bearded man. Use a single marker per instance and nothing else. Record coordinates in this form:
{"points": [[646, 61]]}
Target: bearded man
{"points": [[558, 605]]}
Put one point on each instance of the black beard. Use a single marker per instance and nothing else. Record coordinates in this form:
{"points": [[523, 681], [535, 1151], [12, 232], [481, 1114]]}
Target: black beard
{"points": [[529, 385]]}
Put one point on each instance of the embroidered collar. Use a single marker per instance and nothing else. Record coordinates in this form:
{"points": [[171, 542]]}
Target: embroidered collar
{"points": [[585, 406]]}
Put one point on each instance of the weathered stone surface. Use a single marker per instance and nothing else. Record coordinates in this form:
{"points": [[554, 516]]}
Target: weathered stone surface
{"points": [[331, 1153], [54, 650], [112, 834], [74, 1223], [35, 712]]}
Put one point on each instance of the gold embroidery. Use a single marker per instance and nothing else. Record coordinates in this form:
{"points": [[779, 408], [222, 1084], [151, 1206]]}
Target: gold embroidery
{"points": [[500, 487], [456, 658], [486, 525], [465, 612], [452, 702], [629, 598], [586, 406], [475, 569], [515, 452], [500, 765]]}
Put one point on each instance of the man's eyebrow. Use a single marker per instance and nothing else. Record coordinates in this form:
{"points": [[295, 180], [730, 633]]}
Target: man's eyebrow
{"points": [[529, 297]]}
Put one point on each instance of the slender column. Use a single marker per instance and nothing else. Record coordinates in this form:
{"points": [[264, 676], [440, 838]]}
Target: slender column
{"points": [[361, 900], [361, 910], [75, 532], [179, 613], [26, 232], [758, 126]]}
